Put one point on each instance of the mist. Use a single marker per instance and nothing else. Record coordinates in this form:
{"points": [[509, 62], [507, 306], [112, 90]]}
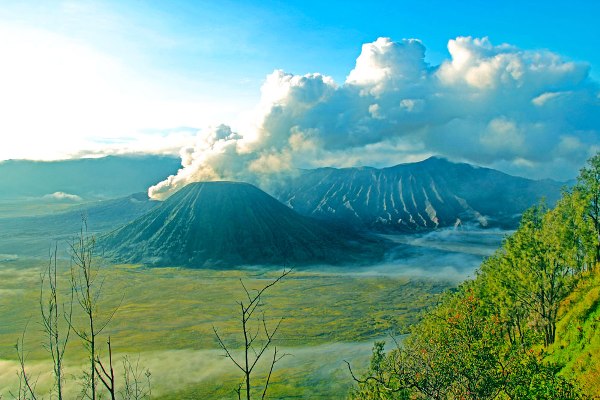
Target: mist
{"points": [[448, 254], [174, 370]]}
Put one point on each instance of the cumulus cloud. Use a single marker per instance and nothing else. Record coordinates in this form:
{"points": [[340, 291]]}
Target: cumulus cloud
{"points": [[62, 196], [528, 112]]}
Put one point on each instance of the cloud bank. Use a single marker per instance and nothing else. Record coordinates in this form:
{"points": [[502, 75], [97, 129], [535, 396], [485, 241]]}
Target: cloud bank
{"points": [[528, 112]]}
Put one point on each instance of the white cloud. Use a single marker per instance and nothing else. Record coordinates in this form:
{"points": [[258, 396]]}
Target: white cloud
{"points": [[384, 65], [527, 112], [544, 98], [62, 196]]}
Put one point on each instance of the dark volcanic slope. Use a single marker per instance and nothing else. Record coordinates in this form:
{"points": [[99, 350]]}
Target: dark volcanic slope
{"points": [[407, 197], [225, 224]]}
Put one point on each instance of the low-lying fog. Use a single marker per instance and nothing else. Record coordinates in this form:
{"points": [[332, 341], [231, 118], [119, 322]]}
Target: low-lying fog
{"points": [[317, 367], [448, 255]]}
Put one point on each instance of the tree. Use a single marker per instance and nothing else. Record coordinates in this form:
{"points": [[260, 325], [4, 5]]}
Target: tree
{"points": [[59, 320], [53, 313], [588, 183], [136, 381], [497, 290], [27, 385], [257, 337], [88, 288], [539, 276], [455, 352], [459, 351], [385, 378], [571, 232]]}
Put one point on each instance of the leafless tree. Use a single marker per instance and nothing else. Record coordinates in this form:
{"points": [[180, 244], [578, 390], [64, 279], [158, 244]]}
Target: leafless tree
{"points": [[137, 381], [258, 336], [52, 313], [87, 288], [26, 389], [58, 321], [107, 375]]}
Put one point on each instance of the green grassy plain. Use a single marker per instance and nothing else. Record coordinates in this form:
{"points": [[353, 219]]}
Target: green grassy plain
{"points": [[166, 316]]}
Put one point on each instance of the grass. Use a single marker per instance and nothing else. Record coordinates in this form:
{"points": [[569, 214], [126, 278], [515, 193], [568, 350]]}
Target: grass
{"points": [[578, 343], [167, 316]]}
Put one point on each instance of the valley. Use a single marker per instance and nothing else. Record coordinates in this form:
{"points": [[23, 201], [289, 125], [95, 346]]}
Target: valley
{"points": [[299, 200], [173, 269], [330, 314]]}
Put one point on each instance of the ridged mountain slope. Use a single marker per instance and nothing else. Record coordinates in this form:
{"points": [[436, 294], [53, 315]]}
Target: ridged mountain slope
{"points": [[408, 197], [227, 224]]}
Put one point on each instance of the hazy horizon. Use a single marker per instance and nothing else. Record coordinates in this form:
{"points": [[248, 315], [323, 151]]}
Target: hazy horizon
{"points": [[258, 88]]}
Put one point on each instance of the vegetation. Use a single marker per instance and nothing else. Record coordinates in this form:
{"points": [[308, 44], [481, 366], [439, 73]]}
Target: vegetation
{"points": [[58, 321], [524, 328], [494, 337], [168, 314], [578, 342], [258, 336]]}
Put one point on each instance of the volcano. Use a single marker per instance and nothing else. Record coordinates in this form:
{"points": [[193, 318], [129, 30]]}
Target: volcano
{"points": [[430, 194], [230, 224]]}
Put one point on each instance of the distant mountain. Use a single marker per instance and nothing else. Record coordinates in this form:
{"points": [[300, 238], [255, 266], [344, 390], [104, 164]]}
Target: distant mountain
{"points": [[33, 236], [89, 178], [227, 224], [101, 215], [417, 196]]}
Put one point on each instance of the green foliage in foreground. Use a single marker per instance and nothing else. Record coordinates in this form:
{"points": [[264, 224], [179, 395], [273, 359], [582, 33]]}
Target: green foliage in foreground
{"points": [[494, 337], [578, 343]]}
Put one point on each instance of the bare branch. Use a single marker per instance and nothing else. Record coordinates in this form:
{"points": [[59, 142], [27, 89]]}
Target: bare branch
{"points": [[25, 384], [228, 354], [254, 345], [274, 361]]}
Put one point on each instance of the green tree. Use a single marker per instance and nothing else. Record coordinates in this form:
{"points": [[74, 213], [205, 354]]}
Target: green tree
{"points": [[532, 379], [588, 184], [385, 378], [497, 290], [456, 352], [539, 276]]}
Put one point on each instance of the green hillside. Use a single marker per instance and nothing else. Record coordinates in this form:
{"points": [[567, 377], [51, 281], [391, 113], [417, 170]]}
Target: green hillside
{"points": [[578, 332], [525, 328]]}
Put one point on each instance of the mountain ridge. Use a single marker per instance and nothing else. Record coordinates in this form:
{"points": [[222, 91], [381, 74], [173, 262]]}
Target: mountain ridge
{"points": [[226, 224], [424, 195]]}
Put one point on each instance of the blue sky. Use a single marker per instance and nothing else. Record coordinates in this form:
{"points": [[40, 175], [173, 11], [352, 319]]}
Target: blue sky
{"points": [[98, 77], [213, 37]]}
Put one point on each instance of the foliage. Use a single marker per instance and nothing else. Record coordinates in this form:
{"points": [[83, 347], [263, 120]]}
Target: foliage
{"points": [[480, 342], [588, 185], [578, 343]]}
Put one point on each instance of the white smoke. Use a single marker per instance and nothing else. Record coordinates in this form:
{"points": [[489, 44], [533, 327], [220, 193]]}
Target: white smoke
{"points": [[529, 112]]}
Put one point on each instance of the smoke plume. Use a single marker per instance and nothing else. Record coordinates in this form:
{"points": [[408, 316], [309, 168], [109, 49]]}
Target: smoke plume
{"points": [[527, 112]]}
